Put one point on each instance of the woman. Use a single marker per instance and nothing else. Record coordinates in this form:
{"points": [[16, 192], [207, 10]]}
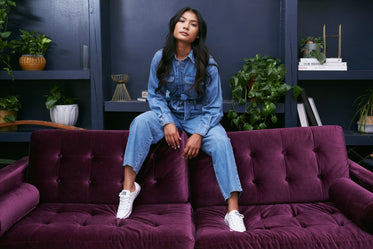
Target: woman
{"points": [[184, 92]]}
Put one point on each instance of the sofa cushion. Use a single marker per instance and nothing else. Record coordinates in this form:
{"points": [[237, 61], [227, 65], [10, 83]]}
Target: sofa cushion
{"points": [[296, 226], [85, 166], [77, 226], [277, 165]]}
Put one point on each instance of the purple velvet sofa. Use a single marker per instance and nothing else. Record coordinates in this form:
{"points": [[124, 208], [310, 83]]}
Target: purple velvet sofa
{"points": [[300, 191], [78, 175]]}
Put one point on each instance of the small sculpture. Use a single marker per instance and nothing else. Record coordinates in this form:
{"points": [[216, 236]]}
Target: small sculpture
{"points": [[121, 92]]}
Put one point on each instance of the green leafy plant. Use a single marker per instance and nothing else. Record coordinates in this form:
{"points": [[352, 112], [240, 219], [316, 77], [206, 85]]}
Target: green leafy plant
{"points": [[10, 104], [364, 109], [56, 98], [258, 87], [316, 51], [34, 43], [7, 46]]}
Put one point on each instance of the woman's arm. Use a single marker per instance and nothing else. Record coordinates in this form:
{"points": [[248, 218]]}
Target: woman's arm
{"points": [[212, 110], [157, 102]]}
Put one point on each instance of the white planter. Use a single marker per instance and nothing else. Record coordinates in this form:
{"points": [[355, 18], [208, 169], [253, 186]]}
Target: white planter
{"points": [[368, 128], [64, 114]]}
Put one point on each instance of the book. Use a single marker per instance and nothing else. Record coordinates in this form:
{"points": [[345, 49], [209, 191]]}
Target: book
{"points": [[302, 115], [342, 67], [314, 110], [331, 64], [314, 61]]}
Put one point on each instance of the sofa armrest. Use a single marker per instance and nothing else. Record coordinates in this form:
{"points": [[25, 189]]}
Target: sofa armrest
{"points": [[361, 175], [17, 198], [16, 204], [354, 201], [12, 175]]}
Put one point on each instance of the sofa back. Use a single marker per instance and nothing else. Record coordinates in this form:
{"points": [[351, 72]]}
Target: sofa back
{"points": [[85, 166], [277, 166]]}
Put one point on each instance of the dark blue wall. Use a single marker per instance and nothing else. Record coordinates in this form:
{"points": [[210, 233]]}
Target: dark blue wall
{"points": [[236, 30]]}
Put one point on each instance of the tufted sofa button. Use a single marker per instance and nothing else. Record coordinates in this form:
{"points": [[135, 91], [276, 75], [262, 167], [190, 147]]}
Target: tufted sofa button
{"points": [[255, 181], [252, 154], [288, 179]]}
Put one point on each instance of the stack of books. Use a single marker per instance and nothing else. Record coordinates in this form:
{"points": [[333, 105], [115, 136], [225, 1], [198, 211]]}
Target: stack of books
{"points": [[331, 64]]}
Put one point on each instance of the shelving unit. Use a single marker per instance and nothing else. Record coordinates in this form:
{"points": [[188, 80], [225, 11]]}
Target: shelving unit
{"points": [[63, 62], [336, 75], [23, 134], [110, 28], [336, 91], [47, 75]]}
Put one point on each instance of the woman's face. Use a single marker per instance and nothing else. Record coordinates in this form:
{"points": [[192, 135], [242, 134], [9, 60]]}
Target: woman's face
{"points": [[186, 29]]}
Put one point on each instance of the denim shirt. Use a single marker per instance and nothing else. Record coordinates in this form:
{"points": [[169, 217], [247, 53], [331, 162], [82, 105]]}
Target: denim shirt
{"points": [[179, 98]]}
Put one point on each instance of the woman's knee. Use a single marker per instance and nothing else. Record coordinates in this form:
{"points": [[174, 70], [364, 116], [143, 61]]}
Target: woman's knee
{"points": [[217, 143], [144, 120]]}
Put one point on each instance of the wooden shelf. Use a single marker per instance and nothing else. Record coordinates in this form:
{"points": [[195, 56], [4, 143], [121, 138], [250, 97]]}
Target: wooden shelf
{"points": [[126, 106], [357, 138], [336, 75], [15, 136], [138, 106], [47, 75]]}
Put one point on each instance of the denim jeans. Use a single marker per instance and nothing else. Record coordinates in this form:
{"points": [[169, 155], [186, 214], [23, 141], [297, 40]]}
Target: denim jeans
{"points": [[146, 130]]}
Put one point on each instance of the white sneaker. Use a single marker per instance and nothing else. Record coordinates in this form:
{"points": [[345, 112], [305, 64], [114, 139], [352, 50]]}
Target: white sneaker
{"points": [[235, 221], [126, 199]]}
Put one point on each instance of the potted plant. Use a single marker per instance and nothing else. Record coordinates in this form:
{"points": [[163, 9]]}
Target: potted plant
{"points": [[312, 47], [62, 109], [33, 47], [7, 46], [258, 87], [9, 107], [364, 112]]}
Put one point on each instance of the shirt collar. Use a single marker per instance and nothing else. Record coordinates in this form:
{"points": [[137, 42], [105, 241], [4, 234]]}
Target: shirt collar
{"points": [[190, 56]]}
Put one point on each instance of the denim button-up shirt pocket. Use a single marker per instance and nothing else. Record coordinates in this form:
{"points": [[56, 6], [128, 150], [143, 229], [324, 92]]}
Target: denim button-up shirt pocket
{"points": [[170, 89], [171, 85], [188, 87]]}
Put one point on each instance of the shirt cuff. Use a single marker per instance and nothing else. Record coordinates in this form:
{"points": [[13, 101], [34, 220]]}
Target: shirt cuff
{"points": [[165, 118], [202, 130]]}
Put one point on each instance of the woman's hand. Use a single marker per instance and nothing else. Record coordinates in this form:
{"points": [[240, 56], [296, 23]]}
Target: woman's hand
{"points": [[171, 134], [192, 146]]}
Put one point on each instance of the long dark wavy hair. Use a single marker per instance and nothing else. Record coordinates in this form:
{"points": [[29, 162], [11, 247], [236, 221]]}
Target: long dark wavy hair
{"points": [[200, 52]]}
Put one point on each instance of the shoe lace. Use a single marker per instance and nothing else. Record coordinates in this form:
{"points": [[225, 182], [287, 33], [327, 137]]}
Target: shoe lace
{"points": [[124, 200], [236, 218]]}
